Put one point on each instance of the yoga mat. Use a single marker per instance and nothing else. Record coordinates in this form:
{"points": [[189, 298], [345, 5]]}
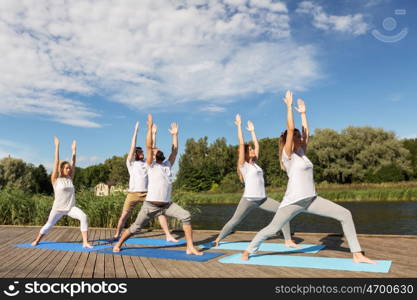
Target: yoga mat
{"points": [[62, 246], [342, 264], [272, 247], [148, 242], [160, 253]]}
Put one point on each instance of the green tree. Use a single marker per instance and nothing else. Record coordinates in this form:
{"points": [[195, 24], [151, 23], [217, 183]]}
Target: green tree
{"points": [[17, 175], [357, 152], [118, 173], [411, 146], [90, 176], [42, 181]]}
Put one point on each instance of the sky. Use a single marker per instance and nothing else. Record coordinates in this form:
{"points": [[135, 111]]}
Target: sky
{"points": [[88, 70]]}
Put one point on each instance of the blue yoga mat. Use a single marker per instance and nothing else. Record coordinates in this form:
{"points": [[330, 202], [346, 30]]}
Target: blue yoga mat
{"points": [[343, 264], [270, 247], [160, 253], [63, 246], [147, 242]]}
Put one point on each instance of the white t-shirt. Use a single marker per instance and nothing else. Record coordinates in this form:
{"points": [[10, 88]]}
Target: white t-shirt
{"points": [[300, 177], [160, 180], [138, 181], [64, 194], [253, 177]]}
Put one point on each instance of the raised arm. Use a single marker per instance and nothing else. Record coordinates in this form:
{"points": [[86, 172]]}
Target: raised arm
{"points": [[251, 129], [306, 131], [149, 152], [131, 154], [154, 131], [288, 148], [241, 158], [55, 170], [174, 132], [73, 157]]}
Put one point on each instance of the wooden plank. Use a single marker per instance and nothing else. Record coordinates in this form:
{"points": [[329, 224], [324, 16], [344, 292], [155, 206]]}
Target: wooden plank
{"points": [[139, 267], [70, 266], [89, 266], [82, 259], [99, 267], [119, 267], [28, 259], [66, 257], [109, 271], [12, 256], [25, 262], [54, 260]]}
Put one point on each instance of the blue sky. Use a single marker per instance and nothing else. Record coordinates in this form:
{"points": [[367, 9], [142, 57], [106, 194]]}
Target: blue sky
{"points": [[91, 76]]}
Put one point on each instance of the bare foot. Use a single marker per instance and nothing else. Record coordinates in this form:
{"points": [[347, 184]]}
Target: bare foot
{"points": [[245, 255], [360, 258], [291, 244], [88, 246], [116, 248], [170, 238], [35, 243], [216, 243], [193, 251]]}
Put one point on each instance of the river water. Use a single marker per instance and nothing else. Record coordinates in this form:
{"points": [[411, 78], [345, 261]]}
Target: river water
{"points": [[369, 217]]}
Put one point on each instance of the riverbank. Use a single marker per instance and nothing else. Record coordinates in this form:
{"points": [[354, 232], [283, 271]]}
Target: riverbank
{"points": [[383, 192]]}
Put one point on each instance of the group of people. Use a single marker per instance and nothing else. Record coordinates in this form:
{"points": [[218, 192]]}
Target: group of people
{"points": [[151, 180]]}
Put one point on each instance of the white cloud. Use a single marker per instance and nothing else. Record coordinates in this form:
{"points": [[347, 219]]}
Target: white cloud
{"points": [[148, 53], [213, 108], [351, 24]]}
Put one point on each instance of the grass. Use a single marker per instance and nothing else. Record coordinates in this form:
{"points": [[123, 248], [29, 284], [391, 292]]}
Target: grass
{"points": [[401, 191], [19, 208]]}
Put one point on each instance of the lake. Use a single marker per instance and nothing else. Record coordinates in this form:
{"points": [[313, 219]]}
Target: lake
{"points": [[369, 217]]}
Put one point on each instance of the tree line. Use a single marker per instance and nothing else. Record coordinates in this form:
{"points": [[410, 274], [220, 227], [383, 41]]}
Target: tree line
{"points": [[353, 155]]}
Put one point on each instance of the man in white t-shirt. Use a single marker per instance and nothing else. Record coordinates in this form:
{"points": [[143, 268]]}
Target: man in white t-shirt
{"points": [[158, 200], [138, 185]]}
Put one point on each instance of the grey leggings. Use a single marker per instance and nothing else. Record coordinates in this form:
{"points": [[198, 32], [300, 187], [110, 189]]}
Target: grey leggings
{"points": [[149, 211], [245, 207], [314, 205]]}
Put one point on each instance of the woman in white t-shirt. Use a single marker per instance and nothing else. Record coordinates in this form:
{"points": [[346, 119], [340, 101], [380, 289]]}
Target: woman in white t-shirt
{"points": [[64, 202], [301, 195], [254, 195], [138, 185]]}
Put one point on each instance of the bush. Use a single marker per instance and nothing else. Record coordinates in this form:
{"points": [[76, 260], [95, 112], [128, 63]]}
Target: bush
{"points": [[230, 183]]}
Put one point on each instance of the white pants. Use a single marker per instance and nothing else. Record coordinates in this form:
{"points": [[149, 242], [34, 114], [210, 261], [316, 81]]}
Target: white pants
{"points": [[74, 213]]}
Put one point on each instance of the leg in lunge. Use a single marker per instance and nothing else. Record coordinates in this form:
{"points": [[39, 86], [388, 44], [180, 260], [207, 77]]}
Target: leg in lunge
{"points": [[326, 208]]}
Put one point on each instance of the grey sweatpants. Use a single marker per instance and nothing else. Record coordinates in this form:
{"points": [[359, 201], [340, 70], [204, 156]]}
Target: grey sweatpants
{"points": [[149, 211], [314, 205], [245, 207]]}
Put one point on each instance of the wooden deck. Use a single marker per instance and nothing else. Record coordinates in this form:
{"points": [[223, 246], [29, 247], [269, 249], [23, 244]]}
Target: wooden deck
{"points": [[39, 263]]}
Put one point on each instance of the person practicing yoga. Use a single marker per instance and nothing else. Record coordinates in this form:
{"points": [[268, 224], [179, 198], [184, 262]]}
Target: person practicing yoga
{"points": [[138, 185], [301, 195], [64, 202], [254, 195], [158, 200]]}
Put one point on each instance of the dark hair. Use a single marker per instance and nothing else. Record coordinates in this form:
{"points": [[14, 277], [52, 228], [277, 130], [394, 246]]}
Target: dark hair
{"points": [[281, 144], [62, 165], [159, 156], [136, 154], [247, 145]]}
